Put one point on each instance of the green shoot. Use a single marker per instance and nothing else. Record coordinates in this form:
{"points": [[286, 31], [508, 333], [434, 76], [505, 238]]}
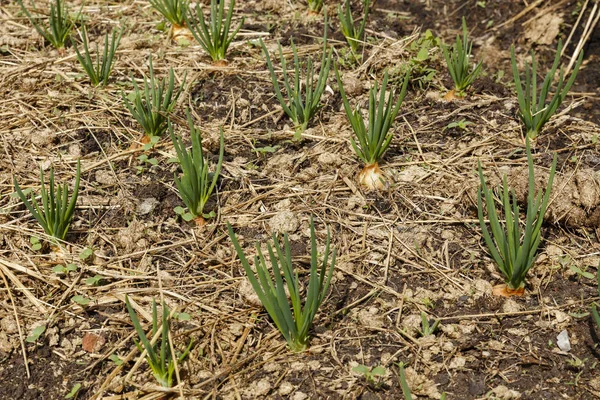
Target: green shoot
{"points": [[352, 33], [152, 105], [512, 248], [56, 211], [303, 97], [315, 6], [427, 328], [174, 11], [160, 358], [535, 111], [403, 384], [59, 23], [98, 71], [293, 321], [196, 184], [595, 313], [372, 375], [458, 61], [215, 38]]}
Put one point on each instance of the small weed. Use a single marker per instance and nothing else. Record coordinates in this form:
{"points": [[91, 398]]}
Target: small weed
{"points": [[372, 375]]}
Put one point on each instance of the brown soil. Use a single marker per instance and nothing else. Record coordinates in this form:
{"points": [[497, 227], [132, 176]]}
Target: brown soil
{"points": [[412, 247]]}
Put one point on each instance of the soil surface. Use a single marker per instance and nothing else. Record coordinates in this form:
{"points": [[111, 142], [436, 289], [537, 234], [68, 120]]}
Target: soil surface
{"points": [[411, 250]]}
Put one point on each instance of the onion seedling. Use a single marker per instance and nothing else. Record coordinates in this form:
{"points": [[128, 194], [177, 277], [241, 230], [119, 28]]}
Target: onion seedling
{"points": [[160, 358], [98, 71], [513, 248], [458, 60], [303, 97], [152, 105], [174, 11], [293, 321], [315, 6], [534, 111], [373, 140], [352, 33], [56, 212], [196, 183], [216, 38], [59, 26]]}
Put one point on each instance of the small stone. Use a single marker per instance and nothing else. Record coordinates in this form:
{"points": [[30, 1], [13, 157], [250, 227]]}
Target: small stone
{"points": [[562, 340], [147, 205]]}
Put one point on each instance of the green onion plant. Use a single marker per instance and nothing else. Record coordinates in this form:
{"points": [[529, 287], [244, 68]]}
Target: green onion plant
{"points": [[353, 34], [514, 248], [174, 11], [458, 62], [56, 211], [160, 358], [215, 37], [293, 321], [196, 183], [535, 111], [152, 105], [303, 97], [98, 71], [371, 142], [59, 25]]}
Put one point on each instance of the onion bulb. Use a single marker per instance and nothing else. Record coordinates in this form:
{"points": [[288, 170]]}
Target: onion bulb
{"points": [[504, 291], [372, 177], [181, 32]]}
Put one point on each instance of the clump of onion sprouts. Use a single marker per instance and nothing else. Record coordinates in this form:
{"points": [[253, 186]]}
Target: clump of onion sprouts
{"points": [[372, 140]]}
